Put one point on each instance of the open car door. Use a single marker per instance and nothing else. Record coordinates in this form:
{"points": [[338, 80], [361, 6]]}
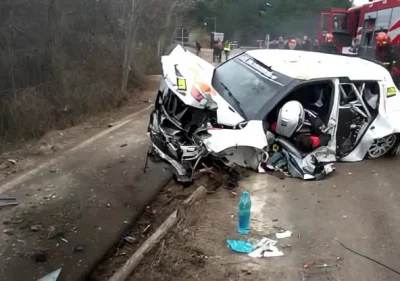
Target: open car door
{"points": [[354, 118], [318, 163]]}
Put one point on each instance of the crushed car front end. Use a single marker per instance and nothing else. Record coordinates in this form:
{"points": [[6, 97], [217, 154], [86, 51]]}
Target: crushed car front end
{"points": [[185, 126], [205, 116]]}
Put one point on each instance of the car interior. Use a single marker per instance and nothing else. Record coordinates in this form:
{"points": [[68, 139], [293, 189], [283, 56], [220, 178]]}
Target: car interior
{"points": [[355, 113], [314, 96]]}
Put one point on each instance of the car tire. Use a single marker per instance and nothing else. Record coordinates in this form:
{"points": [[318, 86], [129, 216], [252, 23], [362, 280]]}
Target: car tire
{"points": [[395, 150], [392, 144]]}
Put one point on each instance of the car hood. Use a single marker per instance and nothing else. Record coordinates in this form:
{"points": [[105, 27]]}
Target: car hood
{"points": [[183, 70]]}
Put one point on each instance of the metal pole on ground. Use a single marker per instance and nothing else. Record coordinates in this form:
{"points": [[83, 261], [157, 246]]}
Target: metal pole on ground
{"points": [[182, 36]]}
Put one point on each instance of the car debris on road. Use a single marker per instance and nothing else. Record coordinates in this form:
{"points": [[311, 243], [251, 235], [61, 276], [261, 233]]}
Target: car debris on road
{"points": [[264, 247], [53, 276], [282, 235], [8, 201], [290, 111]]}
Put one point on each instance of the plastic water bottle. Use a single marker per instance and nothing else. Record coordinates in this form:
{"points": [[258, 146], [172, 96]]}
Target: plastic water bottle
{"points": [[244, 213]]}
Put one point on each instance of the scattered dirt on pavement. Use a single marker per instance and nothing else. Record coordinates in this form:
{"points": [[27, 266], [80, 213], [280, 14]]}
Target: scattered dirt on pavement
{"points": [[313, 211], [24, 155], [154, 215], [75, 203], [195, 249]]}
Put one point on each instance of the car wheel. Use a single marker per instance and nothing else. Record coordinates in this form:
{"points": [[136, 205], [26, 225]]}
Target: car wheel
{"points": [[382, 146], [395, 150]]}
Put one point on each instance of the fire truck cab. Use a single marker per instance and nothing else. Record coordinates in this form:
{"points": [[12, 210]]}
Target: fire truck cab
{"points": [[359, 25], [375, 17], [339, 23]]}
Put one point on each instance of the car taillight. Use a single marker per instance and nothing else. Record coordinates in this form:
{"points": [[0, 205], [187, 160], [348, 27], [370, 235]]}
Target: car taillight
{"points": [[196, 94]]}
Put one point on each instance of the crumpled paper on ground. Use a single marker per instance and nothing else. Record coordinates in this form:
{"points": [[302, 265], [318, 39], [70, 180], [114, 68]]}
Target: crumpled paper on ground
{"points": [[266, 248]]}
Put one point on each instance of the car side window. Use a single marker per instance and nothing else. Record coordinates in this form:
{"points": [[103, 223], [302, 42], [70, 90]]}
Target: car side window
{"points": [[370, 95], [347, 94], [369, 92]]}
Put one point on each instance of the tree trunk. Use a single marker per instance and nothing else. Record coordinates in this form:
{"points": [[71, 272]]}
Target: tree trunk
{"points": [[128, 50]]}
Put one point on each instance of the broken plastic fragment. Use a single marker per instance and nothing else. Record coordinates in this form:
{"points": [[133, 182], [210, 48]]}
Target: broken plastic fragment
{"points": [[51, 276], [286, 234]]}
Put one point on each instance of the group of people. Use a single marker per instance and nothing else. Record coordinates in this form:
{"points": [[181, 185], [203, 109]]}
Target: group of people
{"points": [[218, 47], [305, 44], [384, 49]]}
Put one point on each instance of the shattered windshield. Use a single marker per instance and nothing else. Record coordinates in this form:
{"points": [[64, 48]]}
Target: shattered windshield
{"points": [[245, 88]]}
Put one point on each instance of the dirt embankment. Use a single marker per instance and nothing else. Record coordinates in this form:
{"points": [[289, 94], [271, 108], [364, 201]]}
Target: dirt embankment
{"points": [[23, 155], [195, 249]]}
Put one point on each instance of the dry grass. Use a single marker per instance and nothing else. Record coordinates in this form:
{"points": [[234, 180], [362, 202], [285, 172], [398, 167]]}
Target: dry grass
{"points": [[62, 61]]}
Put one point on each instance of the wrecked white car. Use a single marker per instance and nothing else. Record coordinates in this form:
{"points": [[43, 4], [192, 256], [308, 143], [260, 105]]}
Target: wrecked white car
{"points": [[290, 111]]}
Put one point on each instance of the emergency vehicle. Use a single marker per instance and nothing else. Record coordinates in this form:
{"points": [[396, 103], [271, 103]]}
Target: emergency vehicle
{"points": [[361, 23]]}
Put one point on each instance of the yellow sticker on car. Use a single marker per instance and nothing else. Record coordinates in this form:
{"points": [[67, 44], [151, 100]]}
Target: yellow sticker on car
{"points": [[275, 147], [182, 84], [391, 91]]}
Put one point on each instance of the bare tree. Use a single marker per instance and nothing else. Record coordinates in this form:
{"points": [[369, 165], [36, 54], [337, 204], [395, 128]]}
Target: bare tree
{"points": [[62, 60], [156, 18], [128, 47]]}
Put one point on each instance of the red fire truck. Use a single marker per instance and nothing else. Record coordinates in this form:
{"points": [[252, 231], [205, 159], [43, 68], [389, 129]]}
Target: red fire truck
{"points": [[362, 23]]}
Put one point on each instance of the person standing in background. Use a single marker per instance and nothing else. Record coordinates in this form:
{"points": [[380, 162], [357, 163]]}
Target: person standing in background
{"points": [[329, 47], [291, 44], [384, 49], [215, 51], [316, 47], [219, 50], [281, 43], [227, 49], [306, 44], [198, 48]]}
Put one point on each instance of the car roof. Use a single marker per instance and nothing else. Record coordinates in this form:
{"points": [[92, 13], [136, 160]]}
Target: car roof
{"points": [[314, 65]]}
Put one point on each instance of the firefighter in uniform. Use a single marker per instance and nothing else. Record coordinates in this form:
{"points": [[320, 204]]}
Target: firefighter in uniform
{"points": [[384, 50], [389, 55], [291, 44], [329, 46]]}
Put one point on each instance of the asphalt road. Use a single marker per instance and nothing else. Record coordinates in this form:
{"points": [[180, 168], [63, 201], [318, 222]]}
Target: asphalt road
{"points": [[77, 206], [358, 205], [74, 207]]}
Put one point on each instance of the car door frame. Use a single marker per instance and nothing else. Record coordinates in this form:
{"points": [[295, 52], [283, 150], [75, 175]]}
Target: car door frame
{"points": [[360, 103], [331, 126]]}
